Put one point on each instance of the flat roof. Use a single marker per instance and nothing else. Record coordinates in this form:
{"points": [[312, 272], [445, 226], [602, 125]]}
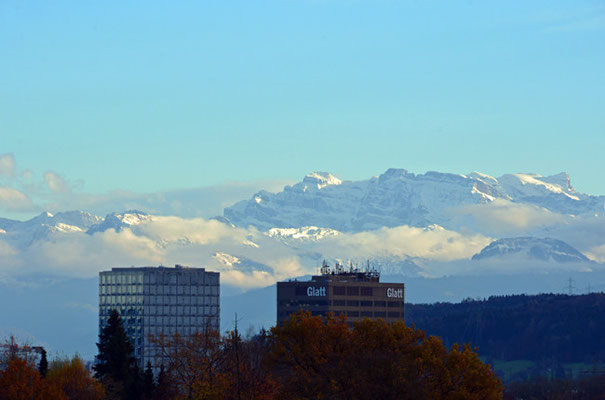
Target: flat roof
{"points": [[158, 268]]}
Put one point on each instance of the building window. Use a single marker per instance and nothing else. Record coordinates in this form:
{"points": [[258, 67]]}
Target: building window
{"points": [[366, 291], [352, 303], [379, 314], [393, 315], [339, 291], [366, 314], [353, 313], [353, 291], [393, 304], [380, 304], [366, 303], [339, 302]]}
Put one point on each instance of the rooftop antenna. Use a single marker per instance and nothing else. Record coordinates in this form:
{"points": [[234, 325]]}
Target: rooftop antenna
{"points": [[325, 268]]}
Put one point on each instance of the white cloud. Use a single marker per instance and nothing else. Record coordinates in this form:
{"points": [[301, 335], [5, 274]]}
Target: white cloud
{"points": [[56, 183], [504, 218], [197, 230], [7, 165], [14, 200], [194, 242], [437, 244]]}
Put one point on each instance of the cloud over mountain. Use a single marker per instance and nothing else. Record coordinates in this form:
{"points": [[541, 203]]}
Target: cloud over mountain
{"points": [[392, 219]]}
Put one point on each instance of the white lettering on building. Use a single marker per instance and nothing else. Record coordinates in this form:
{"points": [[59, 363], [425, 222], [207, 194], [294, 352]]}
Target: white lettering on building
{"points": [[395, 293], [313, 291]]}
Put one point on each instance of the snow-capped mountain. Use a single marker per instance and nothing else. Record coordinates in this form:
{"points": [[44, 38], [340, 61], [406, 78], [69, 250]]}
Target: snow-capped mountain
{"points": [[531, 248], [398, 197], [24, 233], [119, 221], [41, 227]]}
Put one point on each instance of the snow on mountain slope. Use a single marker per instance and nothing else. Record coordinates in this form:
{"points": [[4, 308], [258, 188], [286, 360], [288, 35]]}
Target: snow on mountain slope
{"points": [[240, 263], [306, 233], [531, 248], [24, 233], [534, 185], [398, 197], [119, 221]]}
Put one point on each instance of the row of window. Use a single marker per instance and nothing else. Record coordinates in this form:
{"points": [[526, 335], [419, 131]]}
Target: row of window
{"points": [[340, 303], [181, 330], [129, 314], [170, 325], [108, 300], [160, 290], [355, 314], [127, 278], [164, 321], [370, 314], [352, 291]]}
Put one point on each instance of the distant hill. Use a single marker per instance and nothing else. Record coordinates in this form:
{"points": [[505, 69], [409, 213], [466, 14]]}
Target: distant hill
{"points": [[555, 327]]}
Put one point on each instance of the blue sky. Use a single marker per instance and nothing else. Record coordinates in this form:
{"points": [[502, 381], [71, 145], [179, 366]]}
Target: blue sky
{"points": [[156, 96]]}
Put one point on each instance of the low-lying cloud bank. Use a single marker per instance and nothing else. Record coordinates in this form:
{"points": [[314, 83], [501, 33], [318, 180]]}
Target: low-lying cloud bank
{"points": [[256, 259]]}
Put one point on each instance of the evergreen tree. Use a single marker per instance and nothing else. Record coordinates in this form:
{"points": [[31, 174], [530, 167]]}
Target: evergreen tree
{"points": [[134, 390], [148, 382], [43, 365], [115, 365]]}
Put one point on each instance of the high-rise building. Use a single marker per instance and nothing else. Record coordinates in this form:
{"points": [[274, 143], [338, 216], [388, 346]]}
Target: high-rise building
{"points": [[159, 300], [354, 293]]}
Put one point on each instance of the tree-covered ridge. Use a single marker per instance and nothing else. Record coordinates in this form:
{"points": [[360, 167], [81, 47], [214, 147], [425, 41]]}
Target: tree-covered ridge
{"points": [[547, 326]]}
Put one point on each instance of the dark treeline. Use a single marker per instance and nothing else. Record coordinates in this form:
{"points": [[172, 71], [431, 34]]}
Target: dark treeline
{"points": [[541, 388], [551, 327]]}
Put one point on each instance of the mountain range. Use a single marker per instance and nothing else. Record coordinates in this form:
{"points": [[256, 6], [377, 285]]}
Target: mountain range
{"points": [[310, 219], [398, 197]]}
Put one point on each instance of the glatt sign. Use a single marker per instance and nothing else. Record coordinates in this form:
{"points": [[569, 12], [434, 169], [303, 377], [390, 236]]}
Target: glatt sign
{"points": [[314, 291], [395, 293]]}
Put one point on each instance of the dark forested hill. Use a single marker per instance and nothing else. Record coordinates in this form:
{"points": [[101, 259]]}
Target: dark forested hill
{"points": [[543, 327]]}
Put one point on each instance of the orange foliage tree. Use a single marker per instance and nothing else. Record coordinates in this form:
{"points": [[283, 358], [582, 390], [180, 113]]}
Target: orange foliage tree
{"points": [[317, 358], [20, 378], [207, 365], [72, 377], [194, 364]]}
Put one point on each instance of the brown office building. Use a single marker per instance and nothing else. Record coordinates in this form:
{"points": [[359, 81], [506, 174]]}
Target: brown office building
{"points": [[354, 293]]}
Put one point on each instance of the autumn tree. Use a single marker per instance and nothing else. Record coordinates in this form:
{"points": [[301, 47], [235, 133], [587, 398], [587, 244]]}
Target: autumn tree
{"points": [[72, 377], [165, 388], [194, 363], [244, 366], [323, 358], [20, 379]]}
